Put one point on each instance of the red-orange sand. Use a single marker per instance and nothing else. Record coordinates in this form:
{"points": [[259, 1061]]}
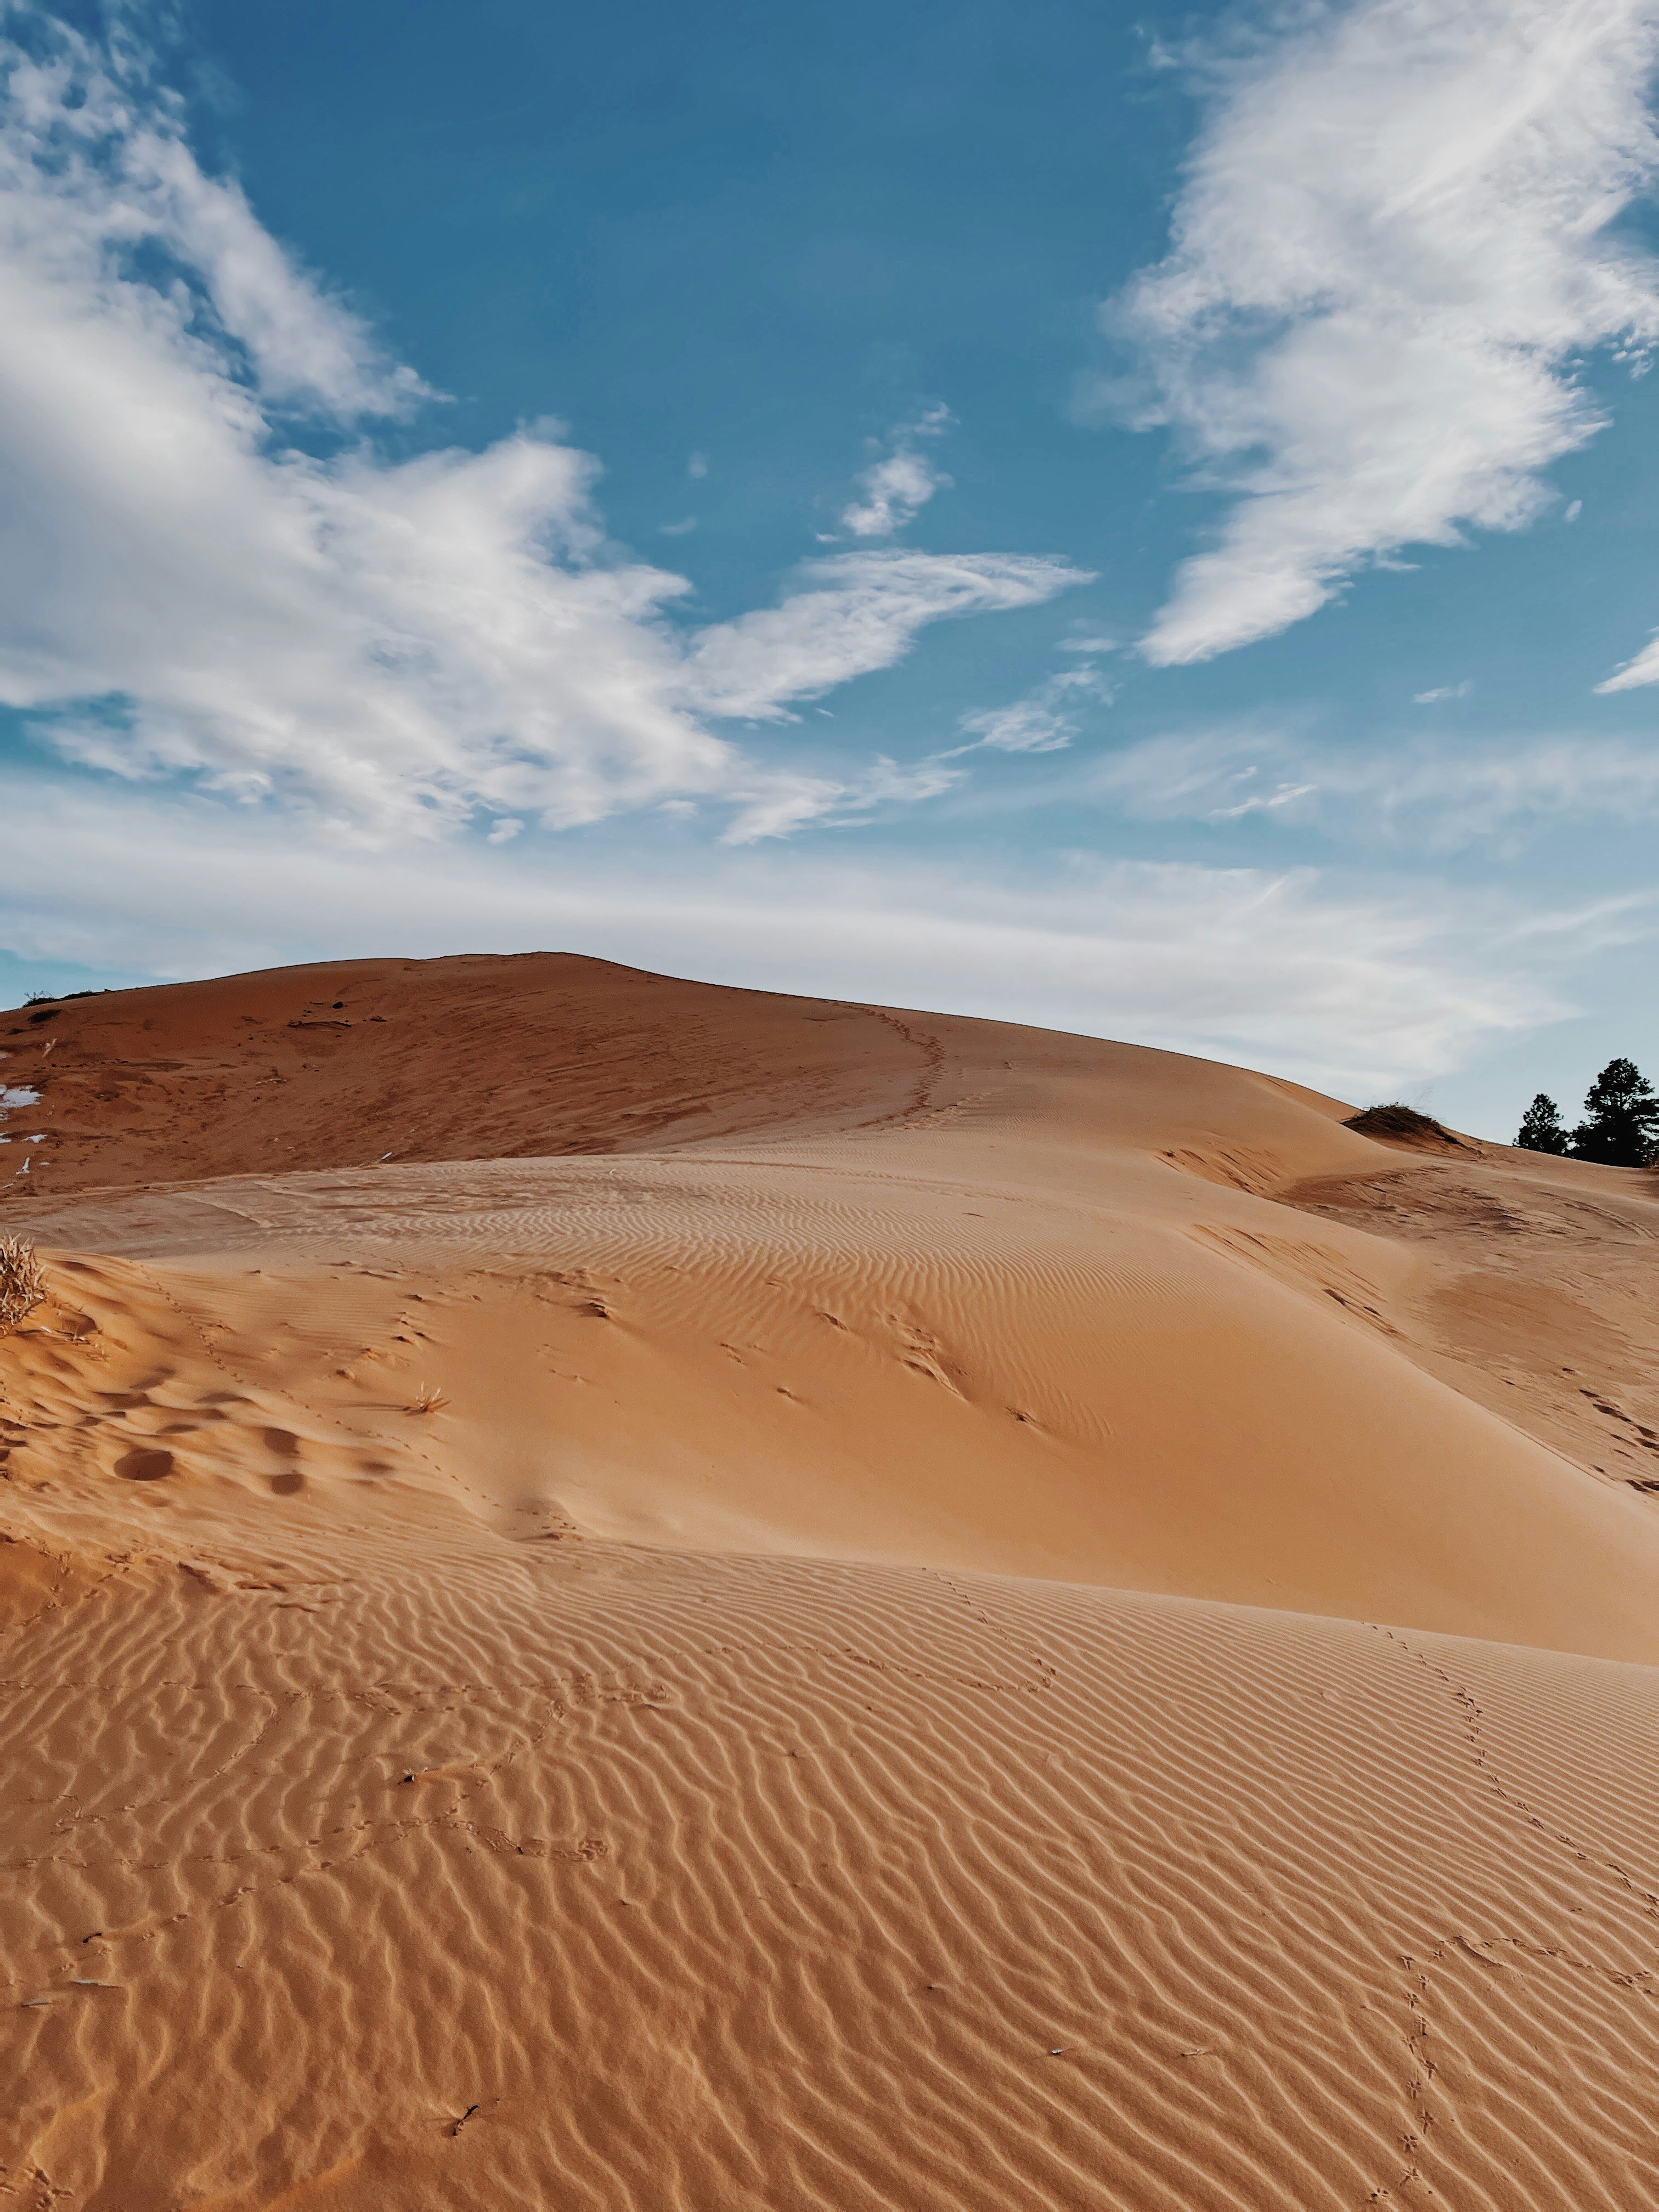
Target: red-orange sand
{"points": [[788, 1605]]}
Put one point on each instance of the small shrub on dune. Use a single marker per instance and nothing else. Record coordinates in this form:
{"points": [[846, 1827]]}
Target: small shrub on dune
{"points": [[22, 1287], [1395, 1120]]}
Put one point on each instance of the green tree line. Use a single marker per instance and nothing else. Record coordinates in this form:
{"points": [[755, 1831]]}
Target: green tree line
{"points": [[1621, 1127]]}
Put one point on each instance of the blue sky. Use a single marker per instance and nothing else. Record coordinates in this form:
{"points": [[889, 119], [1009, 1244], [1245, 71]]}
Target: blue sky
{"points": [[1139, 523]]}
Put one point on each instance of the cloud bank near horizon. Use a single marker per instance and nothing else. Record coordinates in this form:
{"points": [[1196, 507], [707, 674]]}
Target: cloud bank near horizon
{"points": [[1395, 243], [1359, 989], [209, 570]]}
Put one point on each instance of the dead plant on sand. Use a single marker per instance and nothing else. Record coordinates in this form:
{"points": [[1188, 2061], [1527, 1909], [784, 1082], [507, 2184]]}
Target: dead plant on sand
{"points": [[1395, 1120], [427, 1400], [22, 1287]]}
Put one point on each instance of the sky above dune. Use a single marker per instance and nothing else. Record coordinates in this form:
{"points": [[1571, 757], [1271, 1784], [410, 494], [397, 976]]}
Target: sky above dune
{"points": [[1134, 521]]}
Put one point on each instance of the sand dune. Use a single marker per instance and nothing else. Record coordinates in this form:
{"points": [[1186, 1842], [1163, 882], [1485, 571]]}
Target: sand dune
{"points": [[622, 1594]]}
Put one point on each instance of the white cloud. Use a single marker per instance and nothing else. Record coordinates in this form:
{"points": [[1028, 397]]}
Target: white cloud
{"points": [[779, 801], [1031, 724], [1442, 691], [391, 645], [1441, 800], [896, 488], [1644, 669], [860, 614], [1391, 252], [776, 805], [1282, 796], [697, 466], [1359, 991], [95, 169], [1044, 722]]}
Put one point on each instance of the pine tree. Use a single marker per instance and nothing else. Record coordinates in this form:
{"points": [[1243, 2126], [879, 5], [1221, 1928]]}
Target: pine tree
{"points": [[1621, 1118], [1542, 1129]]}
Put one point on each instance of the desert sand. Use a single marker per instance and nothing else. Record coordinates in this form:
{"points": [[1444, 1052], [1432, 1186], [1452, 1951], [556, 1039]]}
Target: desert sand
{"points": [[619, 1594]]}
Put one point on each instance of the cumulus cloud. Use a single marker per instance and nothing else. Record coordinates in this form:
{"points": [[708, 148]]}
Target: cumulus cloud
{"points": [[207, 569], [896, 488], [1393, 245], [1357, 990]]}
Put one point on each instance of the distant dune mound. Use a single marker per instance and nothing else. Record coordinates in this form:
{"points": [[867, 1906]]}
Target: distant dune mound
{"points": [[472, 1058]]}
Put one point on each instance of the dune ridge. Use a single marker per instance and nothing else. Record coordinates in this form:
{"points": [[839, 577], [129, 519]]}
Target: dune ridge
{"points": [[809, 1605]]}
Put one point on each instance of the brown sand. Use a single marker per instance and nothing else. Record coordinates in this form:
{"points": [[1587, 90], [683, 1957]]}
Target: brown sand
{"points": [[859, 1693]]}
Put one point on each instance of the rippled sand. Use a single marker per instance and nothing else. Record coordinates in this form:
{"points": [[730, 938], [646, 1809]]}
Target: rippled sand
{"points": [[796, 1606]]}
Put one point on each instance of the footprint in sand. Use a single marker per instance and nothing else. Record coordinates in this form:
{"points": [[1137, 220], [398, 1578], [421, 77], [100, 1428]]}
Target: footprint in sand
{"points": [[145, 1466]]}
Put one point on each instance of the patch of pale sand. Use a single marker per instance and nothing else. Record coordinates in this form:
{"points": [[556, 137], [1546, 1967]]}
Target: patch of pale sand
{"points": [[788, 1724], [862, 1353]]}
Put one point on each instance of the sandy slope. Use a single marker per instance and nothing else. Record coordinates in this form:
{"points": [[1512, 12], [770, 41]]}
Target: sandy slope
{"points": [[861, 1693]]}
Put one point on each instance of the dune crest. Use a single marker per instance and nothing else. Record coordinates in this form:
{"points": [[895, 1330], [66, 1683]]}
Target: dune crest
{"points": [[625, 1594]]}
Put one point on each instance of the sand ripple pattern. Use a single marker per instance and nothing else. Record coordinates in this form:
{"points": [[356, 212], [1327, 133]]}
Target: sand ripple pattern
{"points": [[630, 1598], [523, 1876]]}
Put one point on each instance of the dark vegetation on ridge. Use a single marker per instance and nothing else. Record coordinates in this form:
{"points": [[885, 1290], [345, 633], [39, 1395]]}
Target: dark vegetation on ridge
{"points": [[1621, 1127]]}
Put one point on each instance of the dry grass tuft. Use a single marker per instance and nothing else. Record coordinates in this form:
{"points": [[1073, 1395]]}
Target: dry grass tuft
{"points": [[427, 1400], [1403, 1122], [22, 1287]]}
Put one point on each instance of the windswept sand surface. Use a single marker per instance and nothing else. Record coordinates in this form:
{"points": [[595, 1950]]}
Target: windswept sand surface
{"points": [[980, 1619]]}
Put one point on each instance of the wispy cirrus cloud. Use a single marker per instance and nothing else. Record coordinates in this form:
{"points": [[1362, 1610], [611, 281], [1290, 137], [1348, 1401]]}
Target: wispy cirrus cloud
{"points": [[1634, 673], [1395, 243], [1411, 789], [859, 613], [1045, 720], [1438, 695], [209, 570], [777, 803]]}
